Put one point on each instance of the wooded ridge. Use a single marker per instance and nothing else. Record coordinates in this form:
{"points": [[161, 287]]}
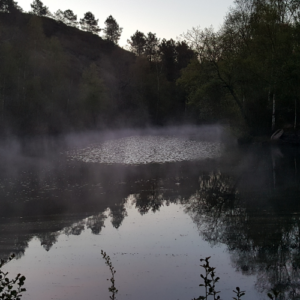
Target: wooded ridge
{"points": [[55, 77]]}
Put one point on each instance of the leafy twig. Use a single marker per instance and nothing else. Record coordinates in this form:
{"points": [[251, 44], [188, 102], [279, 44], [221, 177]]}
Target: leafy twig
{"points": [[112, 289], [209, 281], [239, 293], [10, 289]]}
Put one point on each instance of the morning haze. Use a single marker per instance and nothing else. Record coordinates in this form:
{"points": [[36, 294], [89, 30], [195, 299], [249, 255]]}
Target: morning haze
{"points": [[139, 146]]}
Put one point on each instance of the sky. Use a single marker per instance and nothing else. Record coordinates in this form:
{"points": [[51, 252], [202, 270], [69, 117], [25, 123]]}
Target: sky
{"points": [[167, 18]]}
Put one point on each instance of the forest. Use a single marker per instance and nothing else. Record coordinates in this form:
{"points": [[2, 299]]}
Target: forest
{"points": [[60, 74]]}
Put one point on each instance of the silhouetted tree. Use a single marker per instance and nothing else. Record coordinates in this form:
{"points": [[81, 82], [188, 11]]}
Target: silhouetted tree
{"points": [[9, 6], [137, 43], [168, 57], [59, 15], [39, 9], [70, 18], [184, 54], [67, 17], [89, 23], [151, 46], [112, 30]]}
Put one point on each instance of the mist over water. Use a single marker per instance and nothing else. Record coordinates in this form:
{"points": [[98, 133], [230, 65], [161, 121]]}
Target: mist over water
{"points": [[156, 201]]}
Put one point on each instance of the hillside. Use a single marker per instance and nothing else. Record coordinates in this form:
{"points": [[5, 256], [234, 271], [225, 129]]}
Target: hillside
{"points": [[55, 77]]}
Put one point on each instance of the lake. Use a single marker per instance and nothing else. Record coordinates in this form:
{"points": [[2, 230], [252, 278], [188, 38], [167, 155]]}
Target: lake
{"points": [[156, 201]]}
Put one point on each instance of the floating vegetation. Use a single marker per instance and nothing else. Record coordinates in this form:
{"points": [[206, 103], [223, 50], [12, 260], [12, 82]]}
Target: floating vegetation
{"points": [[147, 149]]}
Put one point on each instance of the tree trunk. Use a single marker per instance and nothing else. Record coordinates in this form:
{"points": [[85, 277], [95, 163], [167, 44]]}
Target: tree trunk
{"points": [[295, 120], [273, 113], [3, 101], [158, 73]]}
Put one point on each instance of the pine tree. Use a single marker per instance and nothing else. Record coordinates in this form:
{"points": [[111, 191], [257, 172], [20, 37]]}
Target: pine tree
{"points": [[112, 30], [39, 9], [59, 16], [137, 43], [70, 18], [89, 23], [151, 46], [9, 6]]}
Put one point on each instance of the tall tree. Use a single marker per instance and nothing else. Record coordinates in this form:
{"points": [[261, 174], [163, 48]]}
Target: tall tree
{"points": [[251, 58], [168, 57], [137, 43], [89, 23], [112, 30], [38, 8], [184, 54], [151, 46]]}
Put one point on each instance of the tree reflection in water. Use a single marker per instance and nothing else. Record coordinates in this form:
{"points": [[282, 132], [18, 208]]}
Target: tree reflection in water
{"points": [[96, 223], [262, 244], [258, 221], [48, 239], [75, 229], [117, 213], [212, 205], [150, 198]]}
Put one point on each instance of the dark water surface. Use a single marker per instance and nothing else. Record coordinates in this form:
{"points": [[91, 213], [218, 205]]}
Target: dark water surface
{"points": [[156, 202]]}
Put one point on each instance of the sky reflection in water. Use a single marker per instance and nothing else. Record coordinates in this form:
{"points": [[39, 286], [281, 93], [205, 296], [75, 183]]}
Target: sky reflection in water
{"points": [[156, 257]]}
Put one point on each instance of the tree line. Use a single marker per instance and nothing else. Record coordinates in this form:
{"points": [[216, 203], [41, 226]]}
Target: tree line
{"points": [[56, 77], [249, 68], [245, 74], [112, 30]]}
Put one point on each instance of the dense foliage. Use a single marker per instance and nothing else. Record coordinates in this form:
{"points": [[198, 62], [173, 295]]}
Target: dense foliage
{"points": [[56, 77], [251, 65]]}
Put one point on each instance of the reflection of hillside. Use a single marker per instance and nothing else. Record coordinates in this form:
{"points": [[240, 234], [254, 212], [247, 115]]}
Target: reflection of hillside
{"points": [[46, 199]]}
